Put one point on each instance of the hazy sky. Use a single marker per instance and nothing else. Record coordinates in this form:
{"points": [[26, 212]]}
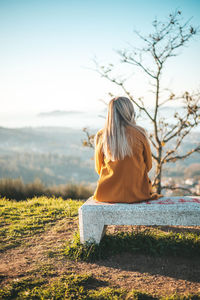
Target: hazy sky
{"points": [[47, 48]]}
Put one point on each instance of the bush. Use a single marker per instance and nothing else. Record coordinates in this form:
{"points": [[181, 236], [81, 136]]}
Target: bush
{"points": [[71, 190], [16, 189]]}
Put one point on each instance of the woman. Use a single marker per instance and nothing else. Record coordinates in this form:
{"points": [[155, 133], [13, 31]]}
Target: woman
{"points": [[122, 157]]}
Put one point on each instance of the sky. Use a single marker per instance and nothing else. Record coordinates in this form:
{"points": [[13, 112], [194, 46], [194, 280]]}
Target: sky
{"points": [[48, 47]]}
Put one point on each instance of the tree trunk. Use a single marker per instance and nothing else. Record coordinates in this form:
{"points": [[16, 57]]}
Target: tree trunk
{"points": [[158, 178], [158, 174]]}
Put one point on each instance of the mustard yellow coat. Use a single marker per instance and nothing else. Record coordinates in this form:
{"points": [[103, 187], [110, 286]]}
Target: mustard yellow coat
{"points": [[126, 180]]}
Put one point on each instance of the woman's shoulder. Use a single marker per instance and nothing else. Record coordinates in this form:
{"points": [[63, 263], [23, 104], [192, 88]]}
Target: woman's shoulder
{"points": [[100, 132], [138, 132], [98, 135]]}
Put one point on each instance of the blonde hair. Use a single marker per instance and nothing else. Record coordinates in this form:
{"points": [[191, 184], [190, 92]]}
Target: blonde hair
{"points": [[114, 142]]}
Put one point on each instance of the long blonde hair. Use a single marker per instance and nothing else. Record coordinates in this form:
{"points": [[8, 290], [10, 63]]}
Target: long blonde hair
{"points": [[120, 114]]}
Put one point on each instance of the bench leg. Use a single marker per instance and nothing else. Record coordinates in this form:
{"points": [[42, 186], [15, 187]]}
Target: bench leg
{"points": [[89, 231]]}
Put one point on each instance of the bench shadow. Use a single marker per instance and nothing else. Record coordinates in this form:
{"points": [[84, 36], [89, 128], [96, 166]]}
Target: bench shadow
{"points": [[166, 228], [174, 267], [179, 229], [179, 266]]}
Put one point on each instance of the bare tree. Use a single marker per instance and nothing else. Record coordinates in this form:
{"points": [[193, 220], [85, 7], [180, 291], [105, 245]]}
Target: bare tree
{"points": [[159, 46]]}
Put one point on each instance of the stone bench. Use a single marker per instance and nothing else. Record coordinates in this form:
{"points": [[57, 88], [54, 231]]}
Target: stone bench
{"points": [[94, 216]]}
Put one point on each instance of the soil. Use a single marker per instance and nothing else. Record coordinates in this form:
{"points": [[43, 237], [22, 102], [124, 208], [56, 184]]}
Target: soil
{"points": [[155, 275]]}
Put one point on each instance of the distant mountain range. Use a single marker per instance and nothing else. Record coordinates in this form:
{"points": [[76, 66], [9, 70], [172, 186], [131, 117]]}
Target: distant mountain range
{"points": [[58, 113]]}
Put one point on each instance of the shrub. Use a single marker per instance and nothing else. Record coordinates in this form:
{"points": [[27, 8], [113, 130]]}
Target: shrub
{"points": [[17, 190]]}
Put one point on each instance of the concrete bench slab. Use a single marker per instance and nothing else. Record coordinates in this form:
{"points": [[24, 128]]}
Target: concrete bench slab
{"points": [[94, 216]]}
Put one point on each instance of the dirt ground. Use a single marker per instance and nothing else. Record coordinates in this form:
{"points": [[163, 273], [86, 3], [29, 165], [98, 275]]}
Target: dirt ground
{"points": [[155, 275]]}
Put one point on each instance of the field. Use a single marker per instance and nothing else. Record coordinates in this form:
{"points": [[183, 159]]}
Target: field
{"points": [[41, 256]]}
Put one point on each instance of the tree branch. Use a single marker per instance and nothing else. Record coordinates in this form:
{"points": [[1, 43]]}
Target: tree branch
{"points": [[133, 61], [171, 187], [89, 142], [175, 158], [105, 74]]}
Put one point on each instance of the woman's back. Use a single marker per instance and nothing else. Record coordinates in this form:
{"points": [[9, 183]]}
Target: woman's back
{"points": [[124, 180]]}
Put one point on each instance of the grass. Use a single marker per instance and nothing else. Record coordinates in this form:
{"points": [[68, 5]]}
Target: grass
{"points": [[150, 241], [64, 287], [72, 286], [33, 216], [20, 220]]}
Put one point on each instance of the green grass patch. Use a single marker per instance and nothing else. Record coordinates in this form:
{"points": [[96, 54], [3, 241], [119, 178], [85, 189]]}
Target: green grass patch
{"points": [[26, 218], [19, 288], [64, 287], [149, 241], [43, 270], [75, 287], [182, 297]]}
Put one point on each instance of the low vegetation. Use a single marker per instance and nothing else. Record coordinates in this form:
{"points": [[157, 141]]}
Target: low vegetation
{"points": [[16, 189], [65, 287], [149, 241], [73, 287], [26, 218]]}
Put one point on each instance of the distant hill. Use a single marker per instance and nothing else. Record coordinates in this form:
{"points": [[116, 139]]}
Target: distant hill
{"points": [[56, 156], [58, 113], [53, 154]]}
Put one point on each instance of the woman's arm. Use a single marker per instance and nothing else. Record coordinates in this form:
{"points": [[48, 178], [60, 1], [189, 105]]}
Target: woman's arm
{"points": [[98, 154]]}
